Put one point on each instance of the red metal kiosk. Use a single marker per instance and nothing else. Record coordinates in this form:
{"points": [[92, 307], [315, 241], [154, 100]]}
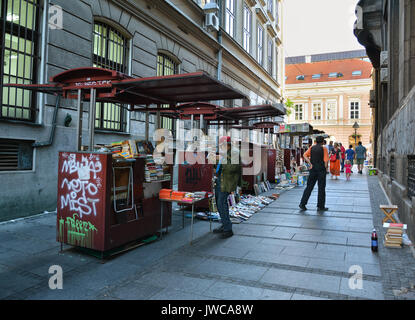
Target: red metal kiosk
{"points": [[105, 204]]}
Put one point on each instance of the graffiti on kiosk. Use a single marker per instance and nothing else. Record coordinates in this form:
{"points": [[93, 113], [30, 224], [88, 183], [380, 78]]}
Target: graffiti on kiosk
{"points": [[79, 233], [83, 185]]}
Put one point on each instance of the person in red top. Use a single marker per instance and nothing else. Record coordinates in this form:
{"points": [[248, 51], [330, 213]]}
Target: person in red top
{"points": [[343, 156]]}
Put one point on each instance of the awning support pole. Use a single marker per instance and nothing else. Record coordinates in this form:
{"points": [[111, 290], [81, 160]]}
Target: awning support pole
{"points": [[147, 124], [79, 124], [92, 106]]}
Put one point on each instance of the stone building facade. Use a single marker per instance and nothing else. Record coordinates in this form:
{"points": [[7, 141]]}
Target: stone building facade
{"points": [[386, 29], [141, 38], [331, 92]]}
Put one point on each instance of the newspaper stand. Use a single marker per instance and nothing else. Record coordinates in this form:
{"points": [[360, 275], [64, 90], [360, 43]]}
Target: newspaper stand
{"points": [[105, 205]]}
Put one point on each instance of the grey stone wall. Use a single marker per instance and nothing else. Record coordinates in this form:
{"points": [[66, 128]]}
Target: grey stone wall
{"points": [[398, 139]]}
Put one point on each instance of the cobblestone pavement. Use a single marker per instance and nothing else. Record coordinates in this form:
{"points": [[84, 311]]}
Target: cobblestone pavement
{"points": [[280, 253]]}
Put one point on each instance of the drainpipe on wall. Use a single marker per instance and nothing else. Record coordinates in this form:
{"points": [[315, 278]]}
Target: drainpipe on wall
{"points": [[52, 130]]}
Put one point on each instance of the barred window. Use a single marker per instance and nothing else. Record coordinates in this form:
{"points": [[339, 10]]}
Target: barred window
{"points": [[110, 52], [19, 20], [166, 66]]}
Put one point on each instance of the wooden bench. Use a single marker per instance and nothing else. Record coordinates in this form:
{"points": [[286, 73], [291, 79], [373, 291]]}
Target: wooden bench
{"points": [[388, 210]]}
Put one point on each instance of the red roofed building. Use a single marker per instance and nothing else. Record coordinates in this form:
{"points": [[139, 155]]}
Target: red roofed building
{"points": [[332, 92]]}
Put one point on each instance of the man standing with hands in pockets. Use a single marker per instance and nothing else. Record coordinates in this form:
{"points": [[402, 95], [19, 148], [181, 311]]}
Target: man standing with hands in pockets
{"points": [[317, 157]]}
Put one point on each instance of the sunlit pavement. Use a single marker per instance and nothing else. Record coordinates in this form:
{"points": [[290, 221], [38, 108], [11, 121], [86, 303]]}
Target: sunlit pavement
{"points": [[279, 253]]}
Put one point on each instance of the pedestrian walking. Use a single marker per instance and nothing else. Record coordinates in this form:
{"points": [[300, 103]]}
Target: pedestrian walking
{"points": [[361, 154], [330, 146], [343, 156], [228, 177], [335, 156], [350, 156], [348, 167], [317, 157]]}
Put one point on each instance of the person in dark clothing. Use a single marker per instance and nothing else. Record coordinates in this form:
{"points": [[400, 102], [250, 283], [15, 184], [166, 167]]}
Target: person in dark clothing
{"points": [[317, 156]]}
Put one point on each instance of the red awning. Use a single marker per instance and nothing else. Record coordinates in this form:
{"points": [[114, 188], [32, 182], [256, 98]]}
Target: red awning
{"points": [[116, 87], [254, 112]]}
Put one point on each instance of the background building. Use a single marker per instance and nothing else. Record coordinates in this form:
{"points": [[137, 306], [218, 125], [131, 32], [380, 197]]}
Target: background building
{"points": [[386, 29], [238, 42], [331, 92]]}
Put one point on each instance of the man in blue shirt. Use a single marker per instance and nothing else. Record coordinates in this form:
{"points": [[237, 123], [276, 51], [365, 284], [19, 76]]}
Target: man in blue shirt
{"points": [[360, 156], [350, 155]]}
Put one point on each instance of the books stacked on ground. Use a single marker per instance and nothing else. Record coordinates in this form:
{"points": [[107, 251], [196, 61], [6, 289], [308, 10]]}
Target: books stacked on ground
{"points": [[393, 236]]}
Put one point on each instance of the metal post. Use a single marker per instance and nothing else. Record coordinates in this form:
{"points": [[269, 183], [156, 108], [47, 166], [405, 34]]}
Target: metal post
{"points": [[161, 219], [79, 124], [147, 124], [92, 106], [191, 227], [158, 124]]}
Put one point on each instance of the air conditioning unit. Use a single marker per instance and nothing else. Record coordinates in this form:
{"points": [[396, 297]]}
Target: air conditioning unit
{"points": [[212, 22]]}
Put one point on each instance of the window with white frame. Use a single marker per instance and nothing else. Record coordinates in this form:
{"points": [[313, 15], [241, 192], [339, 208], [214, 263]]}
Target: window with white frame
{"points": [[331, 110], [270, 5], [269, 55], [317, 111], [299, 111], [354, 110], [247, 29], [260, 48], [230, 17]]}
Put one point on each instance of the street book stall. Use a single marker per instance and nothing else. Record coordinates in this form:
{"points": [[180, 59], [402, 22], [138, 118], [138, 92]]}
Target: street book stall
{"points": [[291, 142], [109, 196], [274, 163], [195, 168], [257, 112]]}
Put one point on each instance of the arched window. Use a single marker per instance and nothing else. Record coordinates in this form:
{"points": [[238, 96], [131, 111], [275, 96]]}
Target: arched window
{"points": [[19, 21], [111, 51], [166, 66]]}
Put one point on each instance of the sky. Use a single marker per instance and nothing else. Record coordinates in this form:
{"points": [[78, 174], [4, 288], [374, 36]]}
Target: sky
{"points": [[319, 26]]}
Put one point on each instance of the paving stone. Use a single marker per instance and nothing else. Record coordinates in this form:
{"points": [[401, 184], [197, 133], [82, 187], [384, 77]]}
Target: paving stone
{"points": [[303, 280], [176, 281], [277, 258], [297, 296], [369, 290], [230, 269], [173, 294]]}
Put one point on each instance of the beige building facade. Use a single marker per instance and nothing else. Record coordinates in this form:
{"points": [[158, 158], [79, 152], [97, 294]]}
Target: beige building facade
{"points": [[332, 103]]}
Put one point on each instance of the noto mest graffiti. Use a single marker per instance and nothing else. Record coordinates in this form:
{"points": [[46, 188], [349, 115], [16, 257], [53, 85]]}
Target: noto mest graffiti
{"points": [[80, 192]]}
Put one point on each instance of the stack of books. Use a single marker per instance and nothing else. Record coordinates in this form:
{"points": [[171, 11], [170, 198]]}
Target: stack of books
{"points": [[393, 236], [154, 171], [150, 170], [116, 149]]}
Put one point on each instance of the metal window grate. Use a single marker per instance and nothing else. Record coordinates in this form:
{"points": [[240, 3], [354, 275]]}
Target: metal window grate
{"points": [[392, 167], [110, 52], [19, 20], [15, 155], [411, 176]]}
